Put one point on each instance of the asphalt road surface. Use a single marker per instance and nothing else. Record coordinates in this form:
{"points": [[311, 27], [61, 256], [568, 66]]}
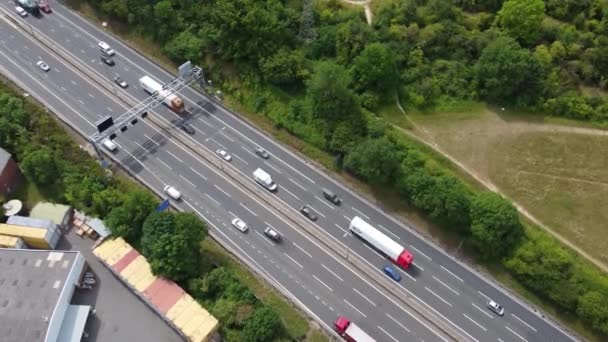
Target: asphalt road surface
{"points": [[319, 281]]}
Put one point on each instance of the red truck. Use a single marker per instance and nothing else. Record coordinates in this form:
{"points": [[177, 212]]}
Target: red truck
{"points": [[350, 331]]}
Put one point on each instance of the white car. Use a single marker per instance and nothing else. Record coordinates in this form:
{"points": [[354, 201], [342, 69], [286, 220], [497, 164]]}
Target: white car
{"points": [[239, 224], [172, 192], [497, 308], [224, 155], [21, 11], [45, 67]]}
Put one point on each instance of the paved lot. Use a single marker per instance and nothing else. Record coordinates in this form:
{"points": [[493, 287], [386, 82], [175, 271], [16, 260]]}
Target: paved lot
{"points": [[120, 314]]}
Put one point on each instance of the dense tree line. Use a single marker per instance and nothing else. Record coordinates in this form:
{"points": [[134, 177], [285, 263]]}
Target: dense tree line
{"points": [[63, 172]]}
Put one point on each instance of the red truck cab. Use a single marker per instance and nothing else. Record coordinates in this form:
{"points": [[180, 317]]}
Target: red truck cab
{"points": [[350, 331], [44, 6]]}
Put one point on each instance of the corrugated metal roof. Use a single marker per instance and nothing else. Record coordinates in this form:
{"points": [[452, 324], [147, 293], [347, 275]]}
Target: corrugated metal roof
{"points": [[31, 222], [34, 237], [50, 211], [99, 227], [73, 323]]}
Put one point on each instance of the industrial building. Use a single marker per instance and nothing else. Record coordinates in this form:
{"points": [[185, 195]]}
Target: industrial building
{"points": [[9, 173], [37, 233], [36, 289]]}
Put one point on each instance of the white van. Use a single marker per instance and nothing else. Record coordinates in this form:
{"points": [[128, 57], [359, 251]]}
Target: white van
{"points": [[264, 179], [109, 145], [169, 190], [105, 48]]}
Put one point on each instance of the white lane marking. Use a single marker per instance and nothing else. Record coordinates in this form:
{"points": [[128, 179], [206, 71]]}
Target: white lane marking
{"points": [[252, 213], [481, 293], [220, 189], [418, 266], [302, 249], [319, 280], [472, 320], [446, 285], [438, 296], [81, 102], [292, 259], [109, 109], [401, 325], [318, 212], [347, 219], [231, 213], [373, 250], [367, 299], [63, 88], [289, 192], [528, 325], [332, 272], [516, 334], [483, 311], [324, 202], [213, 199], [174, 156], [91, 95], [352, 306], [424, 255], [387, 334], [272, 167], [362, 214], [250, 152], [298, 184], [388, 231], [151, 140], [344, 230], [264, 238], [227, 137], [500, 340], [205, 122], [162, 162], [239, 158], [81, 50], [455, 276], [184, 178], [198, 173], [74, 83]]}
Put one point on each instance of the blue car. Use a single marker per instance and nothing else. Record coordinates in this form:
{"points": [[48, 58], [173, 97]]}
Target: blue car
{"points": [[391, 272]]}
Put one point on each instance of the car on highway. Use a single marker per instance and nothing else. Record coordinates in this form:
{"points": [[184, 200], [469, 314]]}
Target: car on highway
{"points": [[42, 65], [272, 234], [44, 6], [105, 48], [497, 308], [187, 128], [239, 224], [21, 11], [262, 152], [120, 82], [306, 211], [331, 196], [109, 145], [172, 192], [392, 273], [109, 61], [224, 155]]}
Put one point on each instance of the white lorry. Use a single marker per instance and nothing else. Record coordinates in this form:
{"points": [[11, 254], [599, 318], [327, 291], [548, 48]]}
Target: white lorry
{"points": [[264, 179], [172, 101]]}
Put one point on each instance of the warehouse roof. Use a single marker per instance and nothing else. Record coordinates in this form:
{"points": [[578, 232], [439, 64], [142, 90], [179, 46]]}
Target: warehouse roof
{"points": [[50, 211], [31, 283]]}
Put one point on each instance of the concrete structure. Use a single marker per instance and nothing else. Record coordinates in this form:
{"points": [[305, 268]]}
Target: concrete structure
{"points": [[37, 233], [9, 173], [59, 213], [36, 288], [174, 305], [7, 241]]}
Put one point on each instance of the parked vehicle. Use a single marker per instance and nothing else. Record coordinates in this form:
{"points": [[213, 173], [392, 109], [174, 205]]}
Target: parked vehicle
{"points": [[306, 211], [392, 273], [89, 281], [272, 234], [497, 308], [171, 100], [383, 243], [264, 179], [350, 331], [262, 152], [331, 196]]}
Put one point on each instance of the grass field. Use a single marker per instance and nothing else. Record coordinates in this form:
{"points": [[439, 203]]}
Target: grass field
{"points": [[558, 172]]}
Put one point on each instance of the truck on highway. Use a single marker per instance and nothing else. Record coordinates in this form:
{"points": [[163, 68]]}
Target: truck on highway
{"points": [[264, 179], [171, 100], [30, 6], [350, 331], [380, 241]]}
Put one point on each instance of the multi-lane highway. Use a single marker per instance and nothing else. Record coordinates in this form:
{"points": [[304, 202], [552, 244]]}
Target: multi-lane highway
{"points": [[317, 279]]}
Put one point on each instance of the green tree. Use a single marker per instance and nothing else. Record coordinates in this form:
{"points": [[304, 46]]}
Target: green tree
{"points": [[81, 186], [171, 242], [374, 160], [521, 19], [351, 38], [40, 166], [506, 73], [225, 311], [185, 46], [127, 220], [375, 69], [495, 225], [282, 68], [593, 307], [262, 326], [106, 200]]}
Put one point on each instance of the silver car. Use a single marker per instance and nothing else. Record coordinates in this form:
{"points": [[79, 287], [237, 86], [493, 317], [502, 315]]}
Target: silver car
{"points": [[45, 67], [239, 224], [224, 155], [497, 308]]}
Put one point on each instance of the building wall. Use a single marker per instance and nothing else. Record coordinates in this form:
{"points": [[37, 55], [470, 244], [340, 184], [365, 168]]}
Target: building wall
{"points": [[9, 178]]}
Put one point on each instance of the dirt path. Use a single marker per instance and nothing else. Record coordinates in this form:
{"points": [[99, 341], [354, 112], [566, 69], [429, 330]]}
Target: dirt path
{"points": [[422, 135]]}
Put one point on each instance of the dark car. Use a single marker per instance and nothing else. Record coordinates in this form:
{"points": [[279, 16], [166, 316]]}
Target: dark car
{"points": [[272, 234], [187, 128], [391, 272], [120, 82], [331, 196], [107, 60], [262, 152], [306, 211]]}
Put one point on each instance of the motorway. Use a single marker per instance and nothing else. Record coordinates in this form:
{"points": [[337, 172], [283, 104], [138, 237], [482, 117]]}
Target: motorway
{"points": [[445, 286]]}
